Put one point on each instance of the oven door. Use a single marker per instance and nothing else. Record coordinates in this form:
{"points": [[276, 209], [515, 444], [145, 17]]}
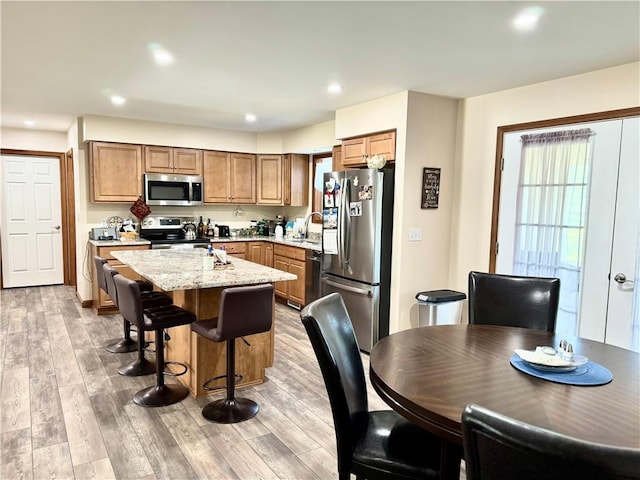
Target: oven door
{"points": [[172, 190]]}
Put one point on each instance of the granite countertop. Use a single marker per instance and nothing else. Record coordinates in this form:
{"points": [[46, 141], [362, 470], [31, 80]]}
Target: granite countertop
{"points": [[119, 243], [183, 270]]}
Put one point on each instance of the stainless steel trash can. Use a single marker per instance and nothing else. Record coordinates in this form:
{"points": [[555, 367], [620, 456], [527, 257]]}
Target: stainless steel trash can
{"points": [[439, 307]]}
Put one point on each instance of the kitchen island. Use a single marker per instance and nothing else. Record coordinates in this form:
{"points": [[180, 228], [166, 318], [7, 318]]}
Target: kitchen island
{"points": [[180, 273]]}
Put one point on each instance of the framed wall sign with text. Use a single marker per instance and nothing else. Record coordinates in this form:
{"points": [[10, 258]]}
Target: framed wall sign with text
{"points": [[430, 187]]}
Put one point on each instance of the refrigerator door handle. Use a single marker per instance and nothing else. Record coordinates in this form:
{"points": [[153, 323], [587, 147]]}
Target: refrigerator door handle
{"points": [[346, 223], [360, 291], [341, 226]]}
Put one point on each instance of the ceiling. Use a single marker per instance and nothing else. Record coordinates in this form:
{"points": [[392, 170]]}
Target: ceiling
{"points": [[61, 60]]}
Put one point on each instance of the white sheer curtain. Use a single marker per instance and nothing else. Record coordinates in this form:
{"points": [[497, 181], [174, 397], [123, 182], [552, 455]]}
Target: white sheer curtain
{"points": [[552, 212]]}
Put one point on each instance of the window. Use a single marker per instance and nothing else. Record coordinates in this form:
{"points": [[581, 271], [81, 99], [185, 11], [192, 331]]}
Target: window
{"points": [[322, 163]]}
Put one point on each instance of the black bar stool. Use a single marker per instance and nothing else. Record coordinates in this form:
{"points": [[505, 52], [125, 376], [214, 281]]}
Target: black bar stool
{"points": [[243, 311], [141, 366], [125, 344], [156, 319]]}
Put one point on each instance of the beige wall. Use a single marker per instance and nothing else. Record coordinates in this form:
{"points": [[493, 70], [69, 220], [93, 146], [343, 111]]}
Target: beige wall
{"points": [[603, 90], [425, 137], [29, 139]]}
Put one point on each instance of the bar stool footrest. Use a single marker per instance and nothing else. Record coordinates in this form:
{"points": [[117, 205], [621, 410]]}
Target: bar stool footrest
{"points": [[169, 373], [206, 387]]}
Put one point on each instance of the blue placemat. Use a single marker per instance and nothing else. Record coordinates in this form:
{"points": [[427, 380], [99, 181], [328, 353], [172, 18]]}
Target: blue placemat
{"points": [[590, 373]]}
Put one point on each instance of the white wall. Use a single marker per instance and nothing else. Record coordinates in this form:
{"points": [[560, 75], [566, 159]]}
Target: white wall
{"points": [[603, 90]]}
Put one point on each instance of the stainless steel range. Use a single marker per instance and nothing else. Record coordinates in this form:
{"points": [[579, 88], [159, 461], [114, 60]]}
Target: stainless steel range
{"points": [[171, 232]]}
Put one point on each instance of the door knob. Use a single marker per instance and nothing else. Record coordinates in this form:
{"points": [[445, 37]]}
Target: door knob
{"points": [[620, 278], [57, 227]]}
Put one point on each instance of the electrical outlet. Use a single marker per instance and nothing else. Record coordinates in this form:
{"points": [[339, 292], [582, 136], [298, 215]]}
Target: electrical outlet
{"points": [[415, 234]]}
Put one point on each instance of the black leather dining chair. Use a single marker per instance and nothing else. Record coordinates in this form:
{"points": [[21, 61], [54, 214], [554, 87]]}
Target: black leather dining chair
{"points": [[501, 448], [514, 301], [372, 445]]}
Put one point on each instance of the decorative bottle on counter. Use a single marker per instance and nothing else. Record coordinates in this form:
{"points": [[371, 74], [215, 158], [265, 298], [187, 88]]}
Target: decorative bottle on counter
{"points": [[209, 229], [201, 231]]}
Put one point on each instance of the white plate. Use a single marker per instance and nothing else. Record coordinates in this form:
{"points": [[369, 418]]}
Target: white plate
{"points": [[578, 360]]}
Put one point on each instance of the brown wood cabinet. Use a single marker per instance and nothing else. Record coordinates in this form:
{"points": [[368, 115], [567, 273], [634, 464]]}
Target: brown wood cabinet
{"points": [[234, 249], [355, 149], [292, 260], [182, 161], [283, 179], [336, 159], [102, 304], [296, 180], [116, 172], [260, 252], [269, 177], [229, 177]]}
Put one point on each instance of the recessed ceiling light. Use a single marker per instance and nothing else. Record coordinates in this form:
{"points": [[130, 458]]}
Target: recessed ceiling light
{"points": [[161, 55], [29, 123], [118, 100], [250, 117], [528, 19], [334, 88]]}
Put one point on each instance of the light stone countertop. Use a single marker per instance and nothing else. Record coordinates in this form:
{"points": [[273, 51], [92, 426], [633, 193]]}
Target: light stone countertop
{"points": [[183, 269]]}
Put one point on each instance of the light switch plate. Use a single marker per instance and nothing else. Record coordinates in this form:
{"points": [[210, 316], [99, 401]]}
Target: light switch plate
{"points": [[415, 234]]}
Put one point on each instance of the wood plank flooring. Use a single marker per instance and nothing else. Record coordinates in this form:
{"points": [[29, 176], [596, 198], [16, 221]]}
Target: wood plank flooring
{"points": [[65, 413]]}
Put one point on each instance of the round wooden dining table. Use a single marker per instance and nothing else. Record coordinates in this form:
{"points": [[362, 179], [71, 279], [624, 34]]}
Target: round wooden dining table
{"points": [[429, 374]]}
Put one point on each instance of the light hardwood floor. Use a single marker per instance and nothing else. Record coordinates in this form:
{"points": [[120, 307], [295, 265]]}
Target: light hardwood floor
{"points": [[66, 413]]}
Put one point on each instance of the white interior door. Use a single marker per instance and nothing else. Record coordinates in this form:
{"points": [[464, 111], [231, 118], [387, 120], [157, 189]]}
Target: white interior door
{"points": [[31, 221], [612, 229], [624, 253]]}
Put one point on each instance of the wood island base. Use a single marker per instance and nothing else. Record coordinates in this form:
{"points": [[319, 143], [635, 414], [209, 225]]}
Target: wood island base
{"points": [[206, 359]]}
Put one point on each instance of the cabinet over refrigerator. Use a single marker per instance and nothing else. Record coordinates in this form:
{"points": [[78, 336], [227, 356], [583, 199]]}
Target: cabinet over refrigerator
{"points": [[356, 237]]}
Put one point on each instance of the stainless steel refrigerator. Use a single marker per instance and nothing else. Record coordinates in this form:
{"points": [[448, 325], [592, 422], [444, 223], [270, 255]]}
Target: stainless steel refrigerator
{"points": [[356, 240]]}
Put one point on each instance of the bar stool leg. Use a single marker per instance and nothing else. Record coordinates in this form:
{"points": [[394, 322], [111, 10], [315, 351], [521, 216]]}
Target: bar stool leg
{"points": [[230, 409], [126, 344], [141, 366], [160, 395]]}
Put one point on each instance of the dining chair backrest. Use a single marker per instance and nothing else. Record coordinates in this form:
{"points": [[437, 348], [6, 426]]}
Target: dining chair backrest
{"points": [[515, 301], [334, 343], [501, 448]]}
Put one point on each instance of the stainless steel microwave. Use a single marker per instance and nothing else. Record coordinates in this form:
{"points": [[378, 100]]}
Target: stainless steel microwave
{"points": [[173, 190]]}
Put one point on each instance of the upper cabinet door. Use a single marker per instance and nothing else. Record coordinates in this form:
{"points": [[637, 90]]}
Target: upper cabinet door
{"points": [[158, 159], [298, 180], [269, 179], [216, 177], [353, 151], [243, 178], [187, 161], [116, 172], [181, 161], [382, 144]]}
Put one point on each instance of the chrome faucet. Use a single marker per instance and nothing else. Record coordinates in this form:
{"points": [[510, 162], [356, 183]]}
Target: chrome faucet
{"points": [[306, 222]]}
